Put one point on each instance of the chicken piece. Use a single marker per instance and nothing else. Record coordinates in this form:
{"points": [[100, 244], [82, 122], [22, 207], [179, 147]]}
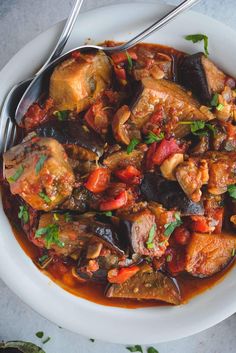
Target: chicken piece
{"points": [[149, 285], [222, 167], [208, 254], [175, 101], [191, 175], [38, 170], [202, 77], [76, 83]]}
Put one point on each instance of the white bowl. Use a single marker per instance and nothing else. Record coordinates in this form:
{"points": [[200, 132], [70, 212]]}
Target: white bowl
{"points": [[147, 325]]}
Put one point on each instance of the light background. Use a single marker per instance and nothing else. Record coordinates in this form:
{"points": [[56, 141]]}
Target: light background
{"points": [[21, 21]]}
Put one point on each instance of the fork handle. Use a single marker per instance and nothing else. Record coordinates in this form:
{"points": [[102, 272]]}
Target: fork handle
{"points": [[185, 5], [64, 35]]}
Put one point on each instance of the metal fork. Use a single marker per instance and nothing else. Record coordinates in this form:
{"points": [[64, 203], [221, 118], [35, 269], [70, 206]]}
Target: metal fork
{"points": [[8, 128]]}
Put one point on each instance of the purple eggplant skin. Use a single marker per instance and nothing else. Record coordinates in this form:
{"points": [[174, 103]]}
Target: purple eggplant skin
{"points": [[193, 77], [72, 132], [169, 193]]}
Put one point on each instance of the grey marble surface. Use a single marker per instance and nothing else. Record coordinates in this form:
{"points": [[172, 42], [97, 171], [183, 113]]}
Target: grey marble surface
{"points": [[20, 21]]}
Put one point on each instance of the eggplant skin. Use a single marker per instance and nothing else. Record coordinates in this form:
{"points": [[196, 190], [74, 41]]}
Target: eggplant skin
{"points": [[72, 132], [155, 188]]}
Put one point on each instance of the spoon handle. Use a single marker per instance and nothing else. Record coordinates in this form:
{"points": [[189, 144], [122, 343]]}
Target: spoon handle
{"points": [[64, 35], [185, 5]]}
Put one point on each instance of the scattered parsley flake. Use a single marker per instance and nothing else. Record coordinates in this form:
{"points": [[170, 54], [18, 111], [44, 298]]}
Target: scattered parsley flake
{"points": [[133, 143], [170, 227], [44, 197], [46, 340], [220, 107], [130, 62], [232, 191], [51, 233], [136, 348], [151, 235], [151, 137], [55, 216], [67, 217], [169, 258], [40, 163], [152, 350], [195, 38], [42, 259], [61, 115], [39, 334], [17, 174], [233, 252], [91, 339], [215, 100], [107, 213], [199, 127], [23, 214]]}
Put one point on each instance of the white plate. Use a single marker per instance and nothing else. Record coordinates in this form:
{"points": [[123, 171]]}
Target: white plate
{"points": [[147, 325]]}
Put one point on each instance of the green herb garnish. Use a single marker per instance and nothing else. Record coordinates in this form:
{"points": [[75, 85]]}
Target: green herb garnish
{"points": [[91, 339], [233, 252], [130, 62], [151, 137], [39, 334], [51, 233], [220, 107], [215, 100], [232, 191], [40, 163], [44, 197], [136, 348], [23, 214], [42, 259], [199, 127], [46, 340], [151, 235], [67, 217], [170, 227], [61, 115], [107, 213], [55, 217], [17, 175], [195, 38], [133, 143], [152, 350], [169, 258]]}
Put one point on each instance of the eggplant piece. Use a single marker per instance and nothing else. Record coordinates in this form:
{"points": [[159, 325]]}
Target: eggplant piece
{"points": [[76, 83], [171, 97], [38, 170], [19, 347], [81, 200], [73, 132], [208, 254], [201, 76], [147, 285], [122, 159], [155, 188]]}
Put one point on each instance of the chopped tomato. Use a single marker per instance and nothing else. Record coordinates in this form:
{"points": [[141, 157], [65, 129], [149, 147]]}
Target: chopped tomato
{"points": [[121, 275], [217, 215], [182, 235], [97, 118], [157, 116], [149, 156], [200, 224], [122, 56], [120, 73], [58, 269], [129, 175], [114, 204], [36, 115], [164, 149], [98, 180], [176, 259], [230, 129], [76, 54]]}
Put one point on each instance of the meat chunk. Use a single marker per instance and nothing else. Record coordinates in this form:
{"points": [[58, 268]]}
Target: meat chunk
{"points": [[148, 285], [175, 101], [208, 254], [75, 83], [38, 170], [191, 175], [201, 76]]}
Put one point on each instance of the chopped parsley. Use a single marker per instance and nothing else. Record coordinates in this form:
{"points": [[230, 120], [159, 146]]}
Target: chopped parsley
{"points": [[232, 191], [199, 127], [220, 107], [62, 115], [233, 252], [17, 174], [151, 137], [91, 339], [215, 100], [151, 235], [195, 38], [67, 217], [51, 233], [55, 217], [133, 143], [46, 340], [44, 197], [23, 214], [42, 259], [170, 227], [40, 163], [136, 348], [130, 62], [152, 350], [39, 334], [107, 213], [169, 258]]}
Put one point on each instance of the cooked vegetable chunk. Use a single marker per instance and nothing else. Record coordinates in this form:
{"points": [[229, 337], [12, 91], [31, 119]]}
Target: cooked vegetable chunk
{"points": [[201, 76], [147, 284], [208, 254], [75, 83], [174, 100], [38, 170]]}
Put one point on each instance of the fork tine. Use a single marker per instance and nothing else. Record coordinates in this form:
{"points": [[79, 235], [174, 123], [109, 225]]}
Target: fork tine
{"points": [[8, 135], [5, 134]]}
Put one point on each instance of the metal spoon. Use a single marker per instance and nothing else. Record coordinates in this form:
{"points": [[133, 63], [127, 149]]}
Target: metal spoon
{"points": [[15, 94], [40, 83]]}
